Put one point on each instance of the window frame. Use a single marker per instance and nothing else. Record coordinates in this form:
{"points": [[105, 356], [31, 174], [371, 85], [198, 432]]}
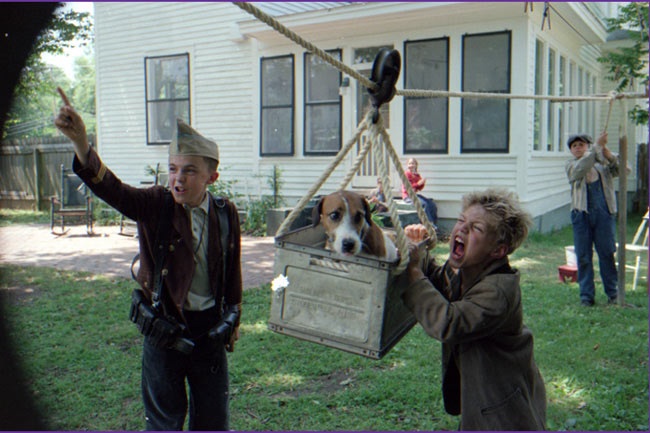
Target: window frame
{"points": [[292, 106], [173, 100], [445, 150], [506, 149], [307, 104]]}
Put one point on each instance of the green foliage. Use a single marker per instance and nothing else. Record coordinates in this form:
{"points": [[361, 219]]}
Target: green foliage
{"points": [[35, 100], [66, 29], [255, 221], [627, 66], [224, 188], [83, 88], [16, 216], [105, 215], [275, 183]]}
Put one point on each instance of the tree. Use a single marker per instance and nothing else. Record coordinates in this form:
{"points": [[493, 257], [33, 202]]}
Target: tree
{"points": [[628, 66], [33, 100]]}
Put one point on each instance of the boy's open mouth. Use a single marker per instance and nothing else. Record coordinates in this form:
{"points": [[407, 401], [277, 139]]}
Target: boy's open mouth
{"points": [[458, 248]]}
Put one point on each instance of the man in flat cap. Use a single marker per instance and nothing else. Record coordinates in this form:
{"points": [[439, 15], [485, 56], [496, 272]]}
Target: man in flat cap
{"points": [[189, 304], [591, 173]]}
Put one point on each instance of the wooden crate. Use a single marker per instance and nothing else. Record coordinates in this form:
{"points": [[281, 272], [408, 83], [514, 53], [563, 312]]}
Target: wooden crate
{"points": [[348, 303]]}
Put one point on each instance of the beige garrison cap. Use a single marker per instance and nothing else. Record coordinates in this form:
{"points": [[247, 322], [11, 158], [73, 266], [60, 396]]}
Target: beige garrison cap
{"points": [[187, 141]]}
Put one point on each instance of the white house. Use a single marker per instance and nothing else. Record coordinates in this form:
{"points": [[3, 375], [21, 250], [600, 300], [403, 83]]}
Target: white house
{"points": [[268, 102]]}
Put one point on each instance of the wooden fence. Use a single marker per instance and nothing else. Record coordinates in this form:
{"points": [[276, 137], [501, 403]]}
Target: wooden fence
{"points": [[30, 171]]}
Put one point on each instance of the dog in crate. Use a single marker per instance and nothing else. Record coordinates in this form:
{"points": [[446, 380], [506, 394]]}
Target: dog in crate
{"points": [[349, 227]]}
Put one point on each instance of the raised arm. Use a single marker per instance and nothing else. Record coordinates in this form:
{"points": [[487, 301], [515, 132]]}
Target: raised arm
{"points": [[70, 123]]}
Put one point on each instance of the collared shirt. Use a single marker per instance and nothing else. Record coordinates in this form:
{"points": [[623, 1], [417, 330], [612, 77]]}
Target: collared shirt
{"points": [[578, 171], [200, 297]]}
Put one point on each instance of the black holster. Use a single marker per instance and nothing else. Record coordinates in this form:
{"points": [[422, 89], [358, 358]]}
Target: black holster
{"points": [[163, 332]]}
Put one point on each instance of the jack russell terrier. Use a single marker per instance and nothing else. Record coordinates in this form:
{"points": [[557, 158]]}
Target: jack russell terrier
{"points": [[347, 221]]}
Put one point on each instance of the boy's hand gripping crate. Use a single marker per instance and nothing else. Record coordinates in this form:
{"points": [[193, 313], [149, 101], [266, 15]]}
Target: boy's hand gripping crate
{"points": [[348, 303]]}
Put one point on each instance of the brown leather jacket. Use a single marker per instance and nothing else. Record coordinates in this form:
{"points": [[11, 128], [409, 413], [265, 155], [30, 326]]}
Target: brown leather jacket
{"points": [[144, 205], [489, 373]]}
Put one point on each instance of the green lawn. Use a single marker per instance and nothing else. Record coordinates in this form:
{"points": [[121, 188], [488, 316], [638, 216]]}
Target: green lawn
{"points": [[82, 358]]}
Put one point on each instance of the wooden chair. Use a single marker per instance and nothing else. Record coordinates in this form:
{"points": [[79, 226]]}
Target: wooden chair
{"points": [[74, 202], [639, 247]]}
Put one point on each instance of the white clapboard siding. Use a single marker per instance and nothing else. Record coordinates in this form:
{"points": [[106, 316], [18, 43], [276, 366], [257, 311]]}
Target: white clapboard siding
{"points": [[225, 45]]}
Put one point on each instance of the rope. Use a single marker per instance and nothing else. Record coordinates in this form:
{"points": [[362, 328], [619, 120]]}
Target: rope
{"points": [[269, 20], [337, 266], [609, 112], [486, 95], [286, 224]]}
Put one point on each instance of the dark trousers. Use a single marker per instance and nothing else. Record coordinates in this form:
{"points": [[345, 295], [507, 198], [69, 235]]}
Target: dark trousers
{"points": [[164, 372], [595, 228]]}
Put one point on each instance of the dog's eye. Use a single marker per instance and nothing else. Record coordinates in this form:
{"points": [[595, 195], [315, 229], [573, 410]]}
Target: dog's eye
{"points": [[335, 216], [358, 217]]}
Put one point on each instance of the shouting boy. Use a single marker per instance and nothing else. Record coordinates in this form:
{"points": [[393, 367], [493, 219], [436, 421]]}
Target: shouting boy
{"points": [[189, 305], [472, 304]]}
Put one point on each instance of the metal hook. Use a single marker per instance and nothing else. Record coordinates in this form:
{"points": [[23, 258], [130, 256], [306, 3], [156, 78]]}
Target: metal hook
{"points": [[385, 71], [547, 15]]}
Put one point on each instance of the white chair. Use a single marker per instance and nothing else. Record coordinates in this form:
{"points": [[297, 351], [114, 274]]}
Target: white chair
{"points": [[639, 247]]}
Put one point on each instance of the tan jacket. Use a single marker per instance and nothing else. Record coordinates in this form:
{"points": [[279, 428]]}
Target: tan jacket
{"points": [[144, 206], [489, 374], [577, 169]]}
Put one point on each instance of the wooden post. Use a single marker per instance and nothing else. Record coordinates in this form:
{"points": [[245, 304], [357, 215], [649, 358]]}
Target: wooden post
{"points": [[37, 182], [622, 203]]}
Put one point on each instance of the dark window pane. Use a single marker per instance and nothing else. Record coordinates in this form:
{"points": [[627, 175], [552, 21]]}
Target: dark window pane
{"points": [[167, 85], [277, 111], [322, 105], [277, 135], [323, 80], [485, 125], [323, 128], [162, 119], [277, 81], [426, 119], [486, 68]]}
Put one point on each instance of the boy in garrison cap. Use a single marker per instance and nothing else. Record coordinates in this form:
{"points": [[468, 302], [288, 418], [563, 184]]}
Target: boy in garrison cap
{"points": [[201, 288]]}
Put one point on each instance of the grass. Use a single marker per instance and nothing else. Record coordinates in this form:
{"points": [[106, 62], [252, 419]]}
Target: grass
{"points": [[16, 216], [83, 358]]}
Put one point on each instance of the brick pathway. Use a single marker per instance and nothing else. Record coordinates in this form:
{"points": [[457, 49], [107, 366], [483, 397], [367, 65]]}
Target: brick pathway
{"points": [[109, 253]]}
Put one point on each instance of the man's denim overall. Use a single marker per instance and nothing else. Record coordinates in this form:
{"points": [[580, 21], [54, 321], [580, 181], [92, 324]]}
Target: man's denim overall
{"points": [[595, 227]]}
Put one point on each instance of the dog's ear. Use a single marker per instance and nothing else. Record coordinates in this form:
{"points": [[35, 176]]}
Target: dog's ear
{"points": [[315, 213], [366, 208]]}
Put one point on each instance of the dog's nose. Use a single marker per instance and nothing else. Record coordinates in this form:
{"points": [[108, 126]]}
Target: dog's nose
{"points": [[348, 245]]}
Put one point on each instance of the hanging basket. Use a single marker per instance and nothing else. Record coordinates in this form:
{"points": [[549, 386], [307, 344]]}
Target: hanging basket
{"points": [[348, 303]]}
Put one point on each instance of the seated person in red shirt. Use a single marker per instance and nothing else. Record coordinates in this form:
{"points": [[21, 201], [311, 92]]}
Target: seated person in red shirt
{"points": [[417, 183]]}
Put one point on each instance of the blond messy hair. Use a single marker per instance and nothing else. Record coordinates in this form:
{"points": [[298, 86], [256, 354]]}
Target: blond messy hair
{"points": [[508, 218]]}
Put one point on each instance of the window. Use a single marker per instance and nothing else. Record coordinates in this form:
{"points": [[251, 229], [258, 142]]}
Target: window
{"points": [[581, 105], [550, 108], [539, 90], [486, 68], [589, 106], [562, 87], [572, 114], [167, 80], [425, 120], [277, 106], [322, 106]]}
